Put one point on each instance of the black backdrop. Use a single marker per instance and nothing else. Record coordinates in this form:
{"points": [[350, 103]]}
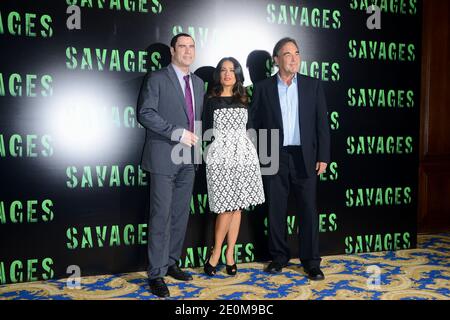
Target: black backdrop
{"points": [[72, 190]]}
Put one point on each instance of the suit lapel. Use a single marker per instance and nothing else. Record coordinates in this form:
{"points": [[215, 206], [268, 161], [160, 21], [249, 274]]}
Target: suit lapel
{"points": [[173, 77], [275, 101], [302, 102]]}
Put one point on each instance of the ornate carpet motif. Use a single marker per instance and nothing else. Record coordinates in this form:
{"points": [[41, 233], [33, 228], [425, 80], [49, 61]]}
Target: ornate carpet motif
{"points": [[422, 273]]}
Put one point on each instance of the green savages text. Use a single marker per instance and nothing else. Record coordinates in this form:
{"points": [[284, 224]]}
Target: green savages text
{"points": [[380, 50], [106, 236], [327, 223], [26, 270], [333, 118], [102, 116], [377, 242], [203, 36], [331, 173], [105, 176], [28, 85], [323, 70], [381, 98], [249, 89], [29, 146], [302, 16], [26, 211], [26, 24], [387, 6], [386, 196], [142, 6], [364, 145], [195, 257], [199, 203], [98, 59], [125, 117]]}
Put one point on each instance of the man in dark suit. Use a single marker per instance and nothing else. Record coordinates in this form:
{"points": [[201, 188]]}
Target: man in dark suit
{"points": [[295, 105], [170, 102]]}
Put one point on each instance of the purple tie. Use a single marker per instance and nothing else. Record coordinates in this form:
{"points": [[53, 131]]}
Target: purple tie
{"points": [[188, 99]]}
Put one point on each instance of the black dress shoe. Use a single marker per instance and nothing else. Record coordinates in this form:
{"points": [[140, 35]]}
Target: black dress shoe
{"points": [[175, 272], [158, 287], [274, 267], [231, 270], [315, 274]]}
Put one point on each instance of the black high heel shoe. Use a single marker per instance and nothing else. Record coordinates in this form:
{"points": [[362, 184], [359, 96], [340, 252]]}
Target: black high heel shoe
{"points": [[231, 270], [209, 269]]}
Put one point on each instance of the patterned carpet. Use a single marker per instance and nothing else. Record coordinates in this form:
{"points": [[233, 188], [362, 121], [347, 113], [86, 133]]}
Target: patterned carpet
{"points": [[422, 273]]}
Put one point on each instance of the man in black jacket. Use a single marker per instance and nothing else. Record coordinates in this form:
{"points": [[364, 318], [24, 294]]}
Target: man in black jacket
{"points": [[295, 105]]}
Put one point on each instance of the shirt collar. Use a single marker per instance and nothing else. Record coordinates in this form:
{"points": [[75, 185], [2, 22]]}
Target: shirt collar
{"points": [[294, 79], [178, 71]]}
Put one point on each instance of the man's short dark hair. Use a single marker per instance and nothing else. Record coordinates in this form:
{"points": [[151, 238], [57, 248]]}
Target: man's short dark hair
{"points": [[174, 40], [280, 45]]}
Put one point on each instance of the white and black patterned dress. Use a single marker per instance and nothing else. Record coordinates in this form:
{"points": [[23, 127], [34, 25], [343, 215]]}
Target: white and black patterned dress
{"points": [[233, 174]]}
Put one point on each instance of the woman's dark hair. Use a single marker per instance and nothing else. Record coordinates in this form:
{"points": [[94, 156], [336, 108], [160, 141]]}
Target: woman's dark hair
{"points": [[239, 93]]}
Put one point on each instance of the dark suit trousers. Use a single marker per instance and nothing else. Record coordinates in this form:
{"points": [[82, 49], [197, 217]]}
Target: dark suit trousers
{"points": [[169, 212], [292, 175]]}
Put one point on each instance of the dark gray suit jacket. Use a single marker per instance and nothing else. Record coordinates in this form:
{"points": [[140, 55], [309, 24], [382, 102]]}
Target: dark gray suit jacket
{"points": [[162, 110]]}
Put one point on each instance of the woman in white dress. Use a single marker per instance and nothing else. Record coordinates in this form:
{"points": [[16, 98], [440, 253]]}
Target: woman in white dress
{"points": [[232, 167]]}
